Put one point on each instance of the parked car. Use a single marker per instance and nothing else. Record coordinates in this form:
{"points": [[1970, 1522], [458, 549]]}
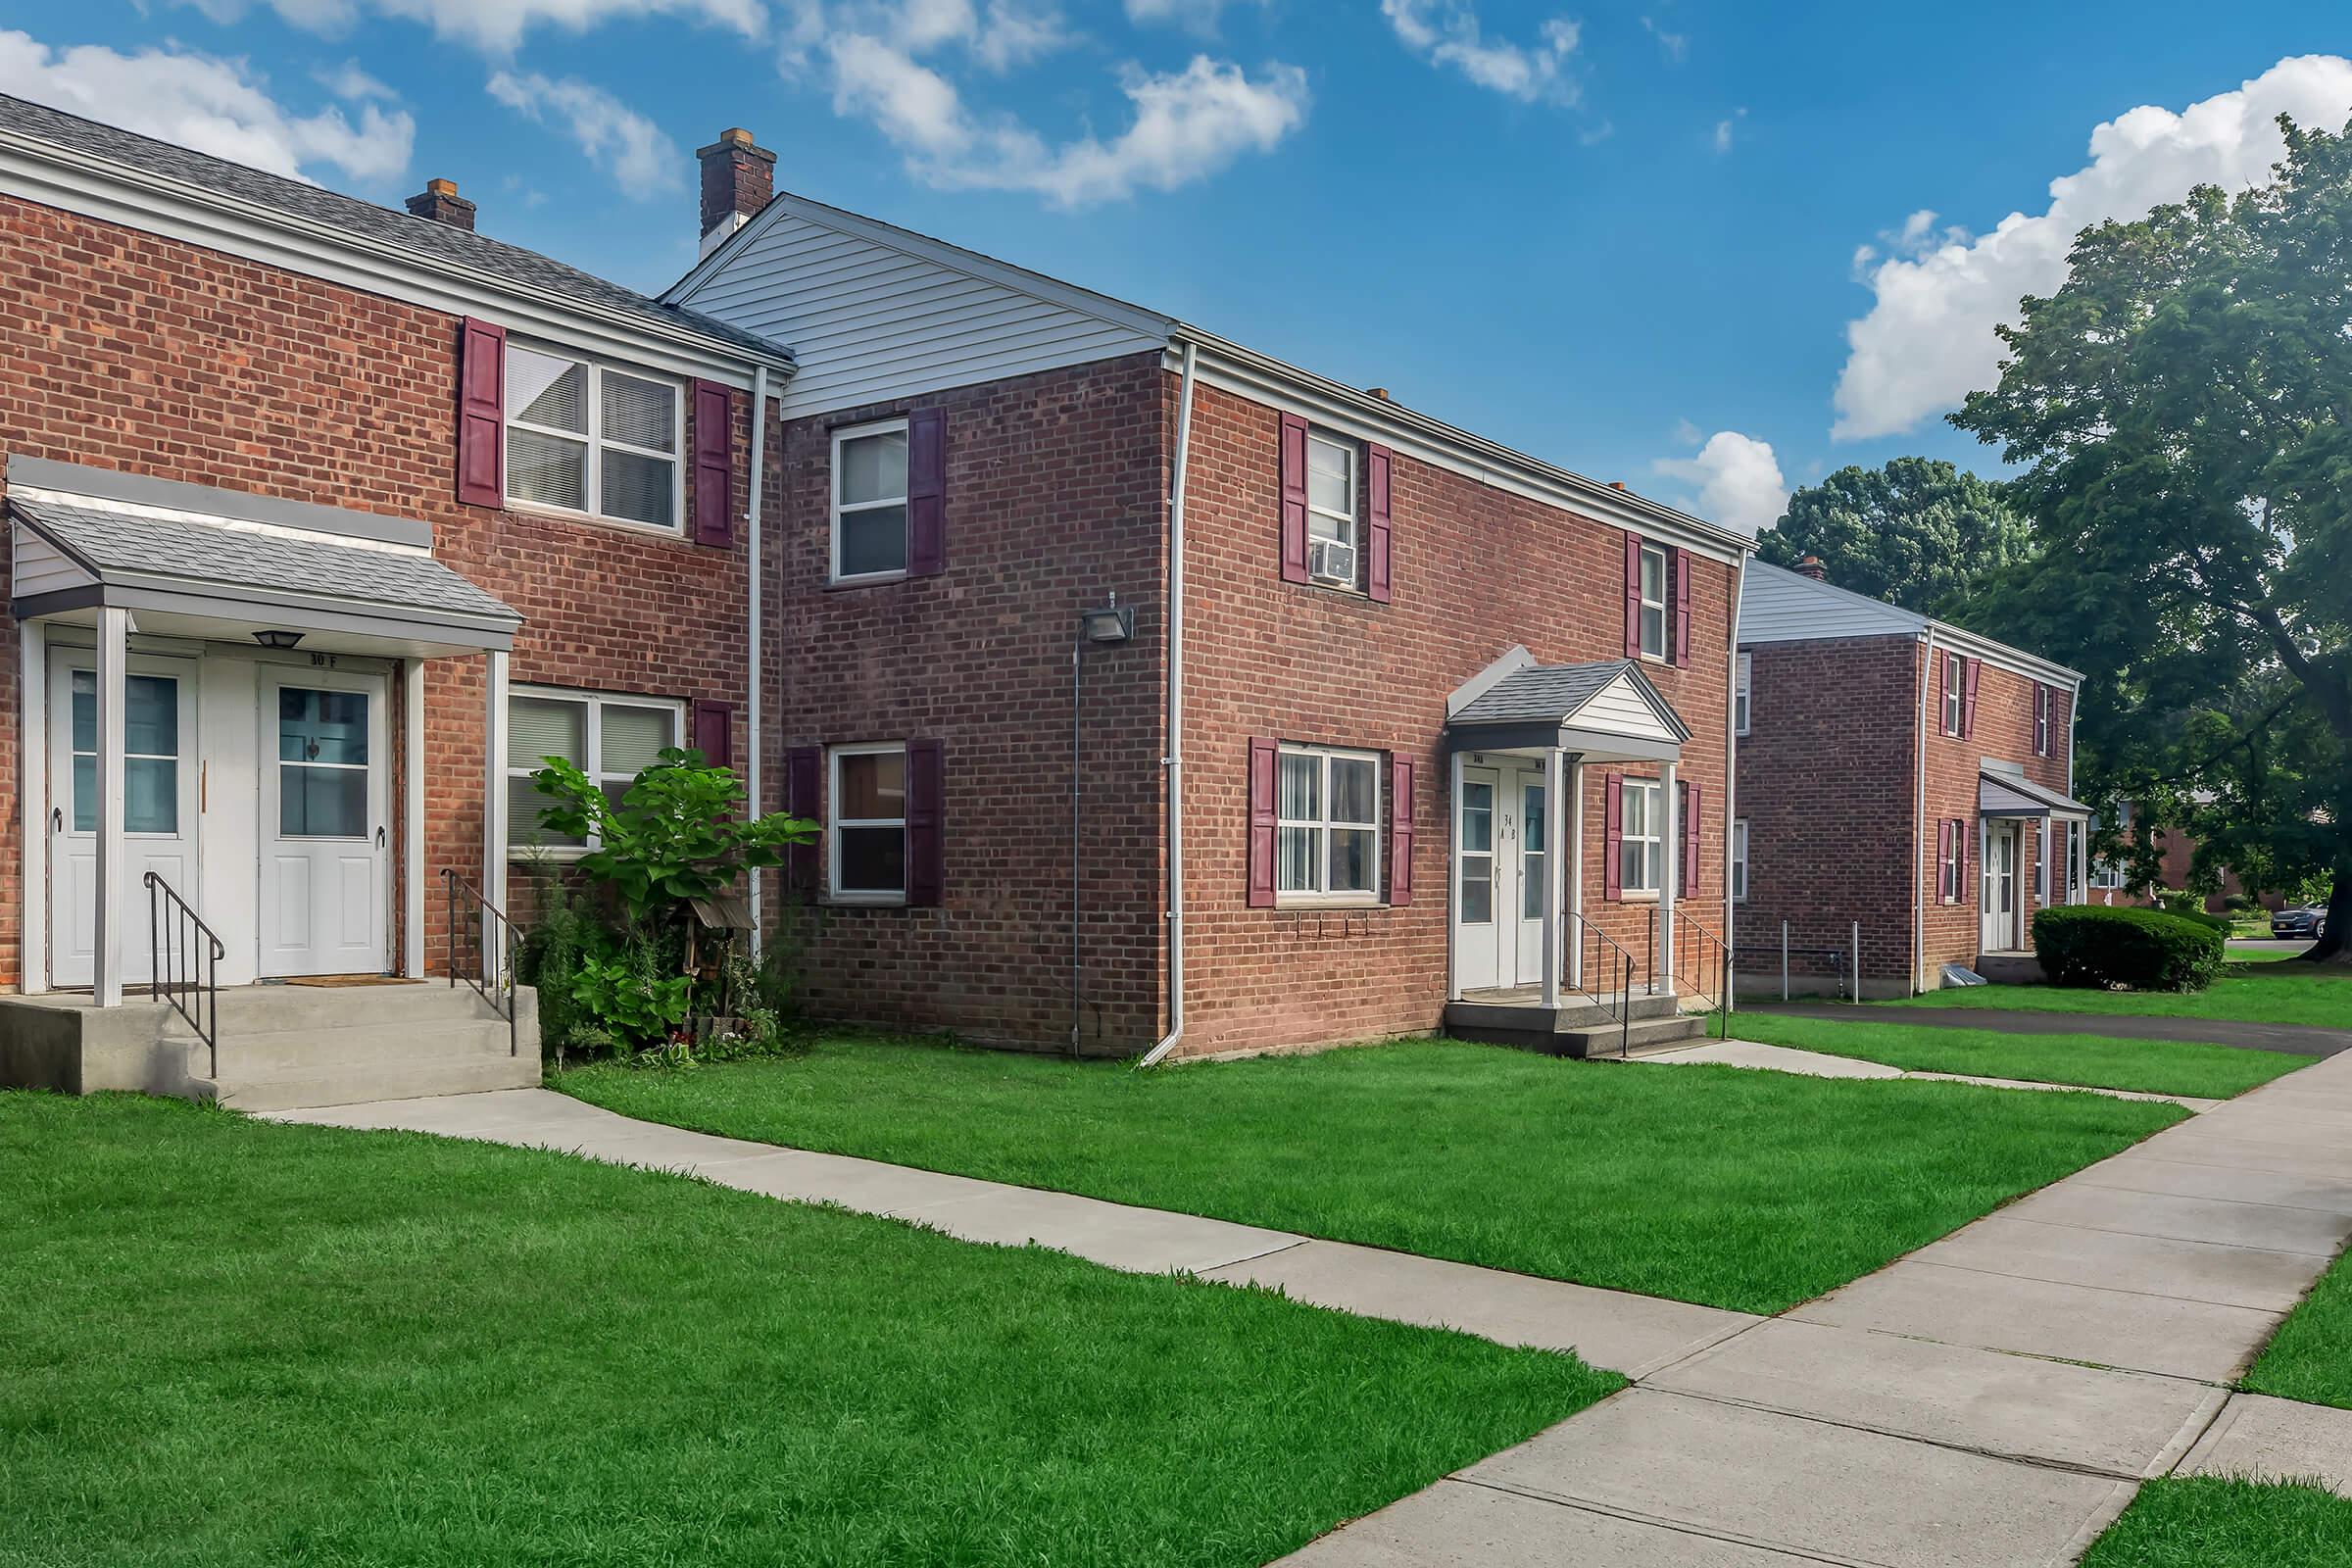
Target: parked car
{"points": [[2308, 921]]}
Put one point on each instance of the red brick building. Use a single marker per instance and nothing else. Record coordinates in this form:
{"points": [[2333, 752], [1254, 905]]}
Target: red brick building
{"points": [[1898, 775], [326, 520], [1268, 814]]}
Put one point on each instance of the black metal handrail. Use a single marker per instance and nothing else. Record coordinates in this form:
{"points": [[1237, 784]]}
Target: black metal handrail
{"points": [[1621, 1012], [1699, 968], [497, 990], [196, 1000]]}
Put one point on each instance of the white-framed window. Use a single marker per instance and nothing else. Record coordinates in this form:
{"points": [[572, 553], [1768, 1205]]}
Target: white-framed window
{"points": [[1739, 690], [1739, 860], [1955, 685], [869, 501], [1653, 600], [1331, 534], [611, 739], [595, 439], [866, 823], [1327, 824], [1640, 856], [2045, 704], [2106, 876]]}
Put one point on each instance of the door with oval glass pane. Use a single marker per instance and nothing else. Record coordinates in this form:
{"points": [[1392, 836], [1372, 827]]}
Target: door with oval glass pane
{"points": [[325, 848], [158, 805]]}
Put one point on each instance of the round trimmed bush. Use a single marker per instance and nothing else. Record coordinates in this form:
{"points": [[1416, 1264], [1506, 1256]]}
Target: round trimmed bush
{"points": [[2139, 950]]}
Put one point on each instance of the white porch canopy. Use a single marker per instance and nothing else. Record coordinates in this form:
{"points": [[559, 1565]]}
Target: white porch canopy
{"points": [[2004, 794], [121, 554]]}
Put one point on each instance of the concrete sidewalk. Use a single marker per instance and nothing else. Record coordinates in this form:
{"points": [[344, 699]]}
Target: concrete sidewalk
{"points": [[2296, 1039], [1990, 1400], [1821, 1064]]}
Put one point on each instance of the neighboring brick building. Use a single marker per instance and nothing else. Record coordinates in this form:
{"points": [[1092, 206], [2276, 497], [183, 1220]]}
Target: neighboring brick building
{"points": [[344, 514], [1899, 774], [975, 455]]}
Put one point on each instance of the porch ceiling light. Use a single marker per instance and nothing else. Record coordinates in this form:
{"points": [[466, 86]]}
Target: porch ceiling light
{"points": [[1114, 623], [277, 639]]}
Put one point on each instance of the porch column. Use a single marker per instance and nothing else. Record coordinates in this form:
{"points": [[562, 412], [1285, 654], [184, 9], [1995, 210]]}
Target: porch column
{"points": [[1576, 871], [114, 668], [412, 818], [1554, 772], [1670, 871], [494, 804], [2080, 832], [33, 794], [1453, 878]]}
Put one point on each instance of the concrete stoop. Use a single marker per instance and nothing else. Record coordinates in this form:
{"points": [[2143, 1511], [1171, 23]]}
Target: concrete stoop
{"points": [[1577, 1028], [280, 1046]]}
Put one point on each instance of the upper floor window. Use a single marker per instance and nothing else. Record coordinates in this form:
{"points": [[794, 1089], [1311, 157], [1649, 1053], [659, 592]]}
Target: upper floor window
{"points": [[611, 739], [1653, 600], [1739, 690], [588, 438], [869, 501], [1955, 686], [1640, 847], [1331, 538], [2045, 702], [1327, 823]]}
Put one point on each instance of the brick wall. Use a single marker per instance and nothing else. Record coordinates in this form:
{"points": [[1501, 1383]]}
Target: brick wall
{"points": [[1056, 486], [2004, 732], [1827, 775], [128, 351], [1476, 569]]}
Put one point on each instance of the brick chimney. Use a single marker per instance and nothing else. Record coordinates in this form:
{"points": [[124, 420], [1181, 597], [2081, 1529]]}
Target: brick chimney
{"points": [[738, 178], [440, 202], [1811, 567]]}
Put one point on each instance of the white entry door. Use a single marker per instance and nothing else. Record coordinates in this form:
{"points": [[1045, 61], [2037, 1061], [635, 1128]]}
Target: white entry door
{"points": [[1527, 789], [158, 805], [1477, 873], [2000, 933], [324, 839]]}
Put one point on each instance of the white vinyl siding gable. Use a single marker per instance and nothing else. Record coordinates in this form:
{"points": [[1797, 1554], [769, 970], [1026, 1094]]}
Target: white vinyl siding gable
{"points": [[1617, 708], [871, 322]]}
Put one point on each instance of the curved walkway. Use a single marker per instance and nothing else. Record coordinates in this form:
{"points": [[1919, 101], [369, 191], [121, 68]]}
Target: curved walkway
{"points": [[2296, 1039]]}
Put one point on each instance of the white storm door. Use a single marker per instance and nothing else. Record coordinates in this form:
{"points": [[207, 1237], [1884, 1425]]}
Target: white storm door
{"points": [[1528, 792], [1477, 837], [325, 852], [1999, 907], [158, 805]]}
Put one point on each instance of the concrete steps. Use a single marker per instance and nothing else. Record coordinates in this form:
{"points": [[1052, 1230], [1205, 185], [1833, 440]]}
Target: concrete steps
{"points": [[285, 1047], [1578, 1027]]}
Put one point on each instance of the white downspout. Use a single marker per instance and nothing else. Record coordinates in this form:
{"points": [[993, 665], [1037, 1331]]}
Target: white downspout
{"points": [[1731, 786], [1175, 757], [751, 768], [1919, 831]]}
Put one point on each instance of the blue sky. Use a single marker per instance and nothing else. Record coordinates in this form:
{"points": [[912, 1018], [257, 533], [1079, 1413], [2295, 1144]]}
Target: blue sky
{"points": [[1631, 239]]}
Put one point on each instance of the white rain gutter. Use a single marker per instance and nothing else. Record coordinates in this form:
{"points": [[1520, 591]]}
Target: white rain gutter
{"points": [[752, 770], [1174, 761], [1919, 828]]}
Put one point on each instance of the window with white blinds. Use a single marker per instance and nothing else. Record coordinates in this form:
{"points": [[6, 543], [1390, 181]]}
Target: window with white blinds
{"points": [[586, 437], [611, 739]]}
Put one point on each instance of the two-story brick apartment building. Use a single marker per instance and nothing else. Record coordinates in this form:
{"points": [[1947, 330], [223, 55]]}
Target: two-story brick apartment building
{"points": [[1403, 727], [325, 521], [1899, 773]]}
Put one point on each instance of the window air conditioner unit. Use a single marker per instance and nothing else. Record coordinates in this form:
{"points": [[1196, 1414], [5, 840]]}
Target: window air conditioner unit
{"points": [[1328, 561]]}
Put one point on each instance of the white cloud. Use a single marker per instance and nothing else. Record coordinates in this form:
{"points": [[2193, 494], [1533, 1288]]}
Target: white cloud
{"points": [[1674, 45], [1723, 129], [623, 142], [1188, 125], [1194, 16], [1738, 478], [348, 81], [1448, 33], [496, 26], [1927, 339], [216, 106]]}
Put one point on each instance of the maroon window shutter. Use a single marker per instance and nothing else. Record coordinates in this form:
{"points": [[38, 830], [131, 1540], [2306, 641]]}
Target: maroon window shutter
{"points": [[1400, 830], [1262, 754], [803, 787], [714, 733], [926, 840], [1612, 835], [1293, 458], [1633, 596], [714, 465], [926, 492], [1692, 796], [1377, 465], [1678, 562], [481, 413], [1968, 698]]}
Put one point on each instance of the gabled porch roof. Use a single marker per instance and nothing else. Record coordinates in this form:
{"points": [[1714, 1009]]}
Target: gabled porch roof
{"points": [[1602, 708], [2013, 795]]}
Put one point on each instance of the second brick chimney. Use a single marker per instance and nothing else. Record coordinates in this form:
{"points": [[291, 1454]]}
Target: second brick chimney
{"points": [[440, 202], [739, 175], [1811, 567]]}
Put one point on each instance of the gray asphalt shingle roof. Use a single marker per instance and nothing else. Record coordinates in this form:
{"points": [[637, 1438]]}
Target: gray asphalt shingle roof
{"points": [[443, 242], [1541, 693], [119, 544]]}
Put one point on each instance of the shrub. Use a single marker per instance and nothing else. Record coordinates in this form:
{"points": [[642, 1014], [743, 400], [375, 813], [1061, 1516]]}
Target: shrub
{"points": [[2140, 950]]}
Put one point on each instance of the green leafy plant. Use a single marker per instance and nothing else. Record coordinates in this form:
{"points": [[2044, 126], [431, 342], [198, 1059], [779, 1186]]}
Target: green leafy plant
{"points": [[2141, 950], [636, 1008], [677, 833]]}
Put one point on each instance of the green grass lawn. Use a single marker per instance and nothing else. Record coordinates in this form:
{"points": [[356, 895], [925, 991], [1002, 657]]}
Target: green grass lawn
{"points": [[231, 1342], [2213, 1522], [2306, 992], [2310, 1357], [2156, 1066], [1737, 1188]]}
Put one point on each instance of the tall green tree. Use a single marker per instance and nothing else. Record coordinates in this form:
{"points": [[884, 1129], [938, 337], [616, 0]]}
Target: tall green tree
{"points": [[1918, 532], [2183, 409]]}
